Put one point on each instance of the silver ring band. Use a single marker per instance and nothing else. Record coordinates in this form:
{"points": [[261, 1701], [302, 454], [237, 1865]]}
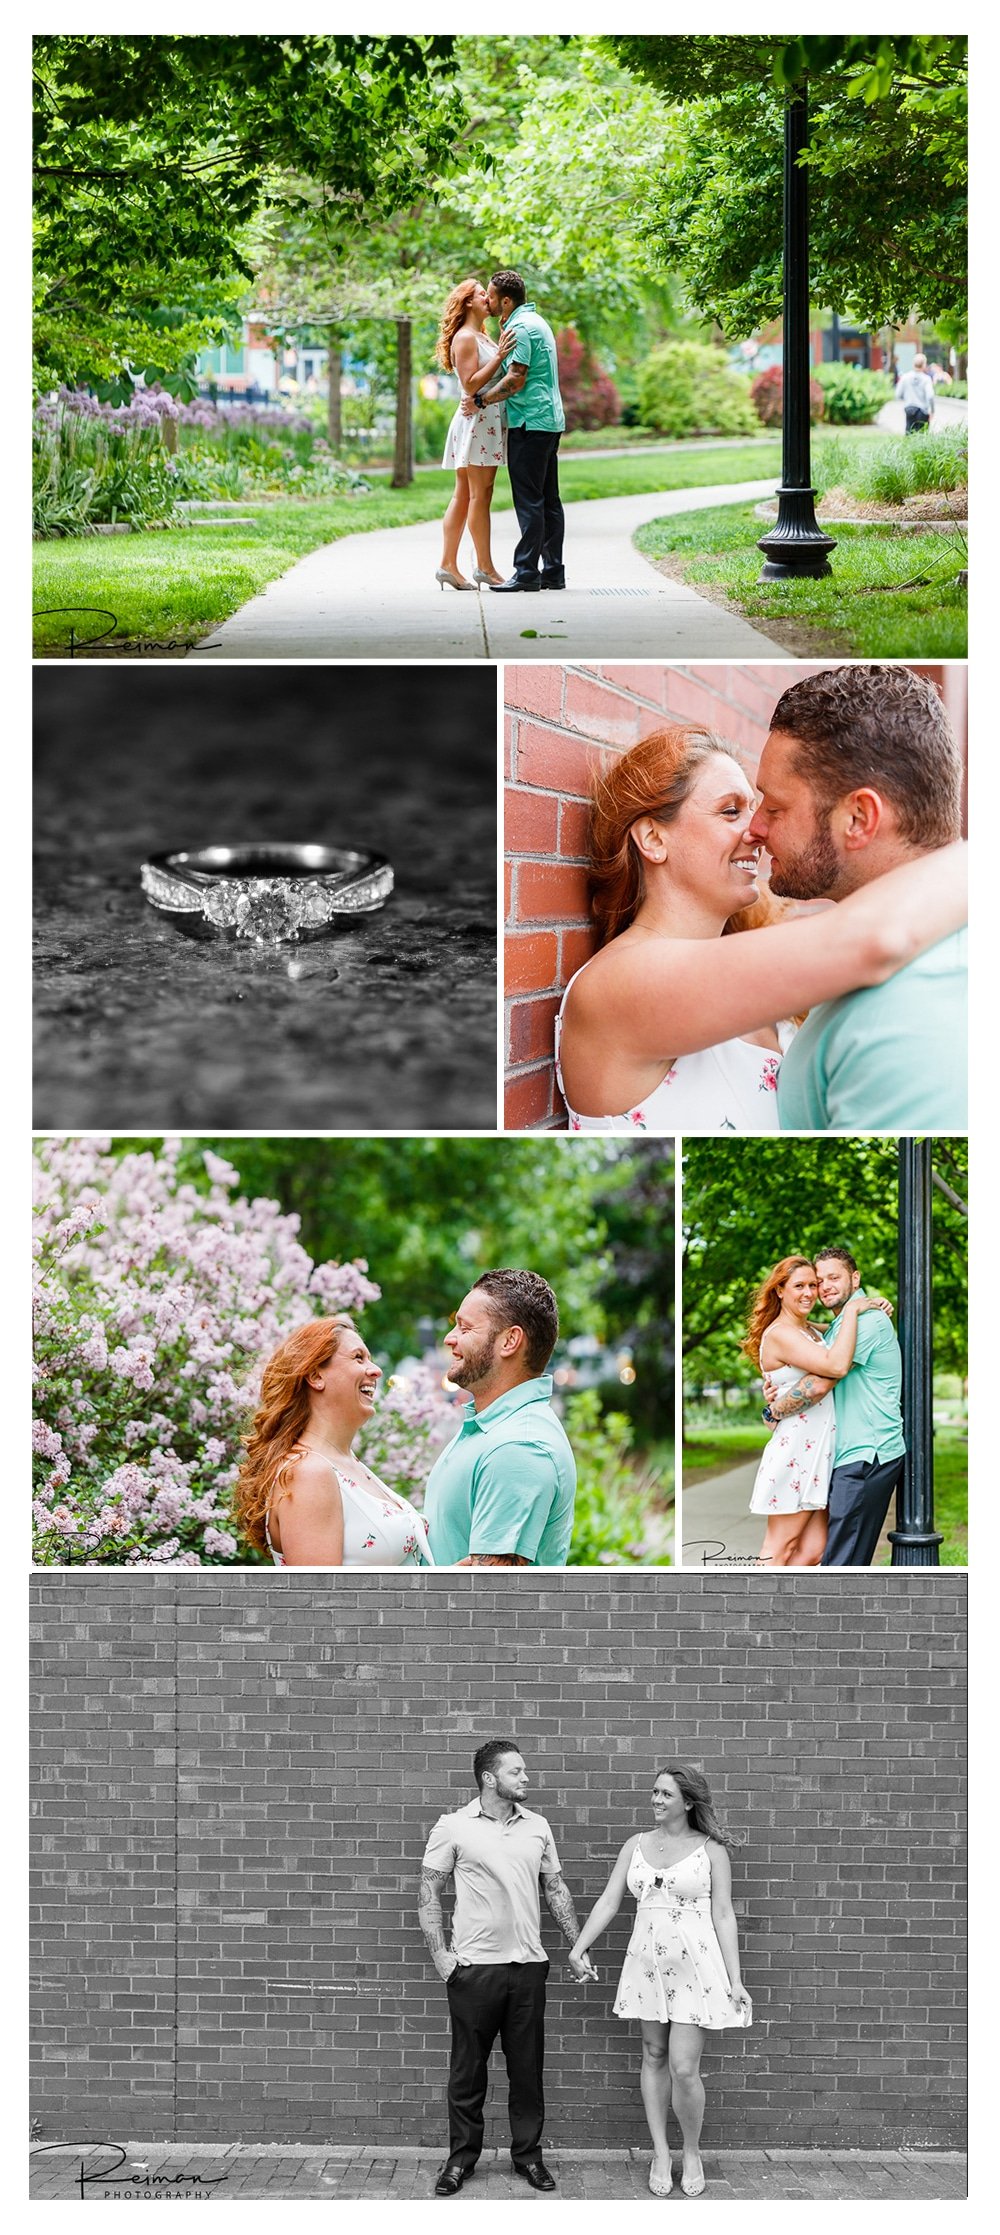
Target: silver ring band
{"points": [[268, 893]]}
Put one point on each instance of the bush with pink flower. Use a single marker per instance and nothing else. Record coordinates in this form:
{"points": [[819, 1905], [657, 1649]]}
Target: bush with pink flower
{"points": [[155, 1305]]}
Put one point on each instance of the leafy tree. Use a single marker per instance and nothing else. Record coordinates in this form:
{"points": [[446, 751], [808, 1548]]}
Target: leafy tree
{"points": [[749, 1203], [636, 1291], [153, 155], [887, 161]]}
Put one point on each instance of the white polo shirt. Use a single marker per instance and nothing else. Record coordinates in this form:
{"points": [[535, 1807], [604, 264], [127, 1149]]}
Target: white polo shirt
{"points": [[497, 1864]]}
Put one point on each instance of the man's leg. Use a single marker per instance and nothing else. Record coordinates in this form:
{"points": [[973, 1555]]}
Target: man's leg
{"points": [[859, 1501], [527, 459], [522, 2039], [553, 576], [475, 2005]]}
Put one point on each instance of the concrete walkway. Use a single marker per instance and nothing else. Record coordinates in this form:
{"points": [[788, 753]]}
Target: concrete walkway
{"points": [[243, 2172], [719, 1529], [949, 411], [373, 596]]}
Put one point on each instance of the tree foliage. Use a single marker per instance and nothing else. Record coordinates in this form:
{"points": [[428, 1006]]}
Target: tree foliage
{"points": [[153, 155], [887, 162], [749, 1203]]}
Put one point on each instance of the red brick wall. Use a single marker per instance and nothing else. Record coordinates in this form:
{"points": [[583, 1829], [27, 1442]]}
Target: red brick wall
{"points": [[558, 722], [233, 1777]]}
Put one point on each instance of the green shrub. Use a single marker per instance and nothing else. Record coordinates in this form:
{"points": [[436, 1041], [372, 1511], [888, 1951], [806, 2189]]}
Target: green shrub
{"points": [[959, 389], [611, 1516], [688, 388], [852, 396], [887, 472], [432, 418]]}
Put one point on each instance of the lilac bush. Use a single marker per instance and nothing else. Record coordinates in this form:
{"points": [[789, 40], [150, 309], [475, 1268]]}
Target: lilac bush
{"points": [[155, 1306]]}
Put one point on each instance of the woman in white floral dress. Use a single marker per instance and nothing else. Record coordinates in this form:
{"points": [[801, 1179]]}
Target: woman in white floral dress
{"points": [[673, 1026], [303, 1495], [681, 1975], [476, 447], [792, 1485]]}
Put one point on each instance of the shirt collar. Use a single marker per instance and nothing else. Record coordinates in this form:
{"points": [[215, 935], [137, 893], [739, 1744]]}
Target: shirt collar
{"points": [[517, 313], [858, 1291], [526, 1393], [476, 1809]]}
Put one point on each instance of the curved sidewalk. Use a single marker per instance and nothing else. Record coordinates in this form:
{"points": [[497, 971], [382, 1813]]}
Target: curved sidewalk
{"points": [[373, 596]]}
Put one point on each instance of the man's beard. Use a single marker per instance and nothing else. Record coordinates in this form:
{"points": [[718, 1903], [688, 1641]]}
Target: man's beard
{"points": [[814, 874], [473, 1368]]}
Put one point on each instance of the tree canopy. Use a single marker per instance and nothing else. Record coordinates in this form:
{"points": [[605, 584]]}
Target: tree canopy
{"points": [[749, 1203], [152, 156], [887, 162]]}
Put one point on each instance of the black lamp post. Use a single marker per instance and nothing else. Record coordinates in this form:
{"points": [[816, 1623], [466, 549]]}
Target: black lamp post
{"points": [[915, 1540], [796, 545]]}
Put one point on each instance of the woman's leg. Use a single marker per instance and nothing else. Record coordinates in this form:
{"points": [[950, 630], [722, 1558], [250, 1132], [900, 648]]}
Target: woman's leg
{"points": [[782, 1540], [454, 521], [481, 479], [813, 1543], [686, 2044], [654, 2084]]}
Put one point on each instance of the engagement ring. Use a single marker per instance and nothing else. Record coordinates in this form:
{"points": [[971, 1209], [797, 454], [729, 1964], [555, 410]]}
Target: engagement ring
{"points": [[268, 893]]}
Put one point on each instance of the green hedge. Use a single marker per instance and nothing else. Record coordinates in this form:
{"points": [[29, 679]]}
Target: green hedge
{"points": [[851, 395], [688, 388]]}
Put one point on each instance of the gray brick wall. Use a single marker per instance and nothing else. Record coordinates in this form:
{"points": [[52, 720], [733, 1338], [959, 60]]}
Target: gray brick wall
{"points": [[233, 1776]]}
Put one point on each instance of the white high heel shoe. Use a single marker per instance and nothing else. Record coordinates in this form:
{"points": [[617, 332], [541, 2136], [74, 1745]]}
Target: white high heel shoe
{"points": [[444, 574], [658, 2187], [479, 575], [693, 2184]]}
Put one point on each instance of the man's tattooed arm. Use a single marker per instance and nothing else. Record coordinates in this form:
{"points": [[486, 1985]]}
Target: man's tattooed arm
{"points": [[493, 1560], [508, 386], [432, 1922], [805, 1392], [559, 1903]]}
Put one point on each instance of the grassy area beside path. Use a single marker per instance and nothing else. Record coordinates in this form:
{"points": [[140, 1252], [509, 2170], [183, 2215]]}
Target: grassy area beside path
{"points": [[863, 606], [168, 589]]}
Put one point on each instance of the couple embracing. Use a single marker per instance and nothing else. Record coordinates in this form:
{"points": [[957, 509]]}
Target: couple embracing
{"points": [[835, 1459], [680, 1981], [501, 1494], [510, 414]]}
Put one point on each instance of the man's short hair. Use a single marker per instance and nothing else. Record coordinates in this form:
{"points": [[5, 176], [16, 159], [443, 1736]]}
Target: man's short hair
{"points": [[525, 1300], [510, 284], [486, 1757], [880, 726], [842, 1255]]}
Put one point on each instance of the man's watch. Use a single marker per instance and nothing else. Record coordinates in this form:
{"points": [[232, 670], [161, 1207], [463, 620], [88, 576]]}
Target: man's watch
{"points": [[770, 1417], [479, 399]]}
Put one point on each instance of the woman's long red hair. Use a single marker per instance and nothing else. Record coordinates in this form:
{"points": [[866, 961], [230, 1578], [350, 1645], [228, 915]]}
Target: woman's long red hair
{"points": [[452, 317], [280, 1419], [766, 1303], [653, 778]]}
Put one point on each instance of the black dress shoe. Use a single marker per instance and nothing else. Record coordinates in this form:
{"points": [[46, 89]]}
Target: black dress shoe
{"points": [[536, 2174], [552, 582], [517, 582], [451, 2177]]}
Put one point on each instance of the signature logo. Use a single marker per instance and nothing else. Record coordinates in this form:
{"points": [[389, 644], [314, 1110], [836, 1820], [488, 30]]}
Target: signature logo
{"points": [[138, 2176], [83, 640], [712, 1549]]}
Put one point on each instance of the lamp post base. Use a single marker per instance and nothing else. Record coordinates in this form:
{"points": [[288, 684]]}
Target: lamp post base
{"points": [[915, 1548], [796, 546]]}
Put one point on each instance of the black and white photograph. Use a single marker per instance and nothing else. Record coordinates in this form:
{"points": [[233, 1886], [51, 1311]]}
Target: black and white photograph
{"points": [[594, 1887], [265, 898]]}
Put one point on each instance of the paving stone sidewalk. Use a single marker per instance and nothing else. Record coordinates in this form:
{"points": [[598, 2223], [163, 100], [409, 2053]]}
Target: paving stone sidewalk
{"points": [[374, 596], [243, 2172]]}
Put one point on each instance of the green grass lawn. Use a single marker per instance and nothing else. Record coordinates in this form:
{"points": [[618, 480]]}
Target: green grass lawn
{"points": [[172, 587], [711, 1451], [857, 603]]}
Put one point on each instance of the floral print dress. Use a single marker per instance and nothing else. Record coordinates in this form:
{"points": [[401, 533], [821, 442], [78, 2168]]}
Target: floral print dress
{"points": [[674, 1967], [481, 441], [798, 1462], [381, 1529], [731, 1088]]}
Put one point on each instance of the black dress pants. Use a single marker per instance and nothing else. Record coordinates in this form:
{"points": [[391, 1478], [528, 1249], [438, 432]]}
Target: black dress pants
{"points": [[859, 1501], [484, 2000], [533, 465]]}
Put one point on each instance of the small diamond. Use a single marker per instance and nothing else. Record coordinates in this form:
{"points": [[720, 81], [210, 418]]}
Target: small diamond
{"points": [[315, 904], [221, 904], [369, 893], [268, 911]]}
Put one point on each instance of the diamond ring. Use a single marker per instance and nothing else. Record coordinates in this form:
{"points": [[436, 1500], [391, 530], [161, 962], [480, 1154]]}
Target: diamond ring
{"points": [[269, 894]]}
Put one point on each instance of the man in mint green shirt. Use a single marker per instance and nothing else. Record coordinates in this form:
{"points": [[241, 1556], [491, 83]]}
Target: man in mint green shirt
{"points": [[870, 1447], [502, 1493], [528, 384], [861, 773]]}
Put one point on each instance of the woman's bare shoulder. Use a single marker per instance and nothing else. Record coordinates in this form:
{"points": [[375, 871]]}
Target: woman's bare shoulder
{"points": [[313, 1479]]}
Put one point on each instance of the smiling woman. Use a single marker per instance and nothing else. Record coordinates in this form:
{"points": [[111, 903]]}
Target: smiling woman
{"points": [[303, 1494]]}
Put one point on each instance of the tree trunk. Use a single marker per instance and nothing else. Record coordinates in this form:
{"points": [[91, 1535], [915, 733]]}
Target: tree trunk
{"points": [[402, 464], [334, 429]]}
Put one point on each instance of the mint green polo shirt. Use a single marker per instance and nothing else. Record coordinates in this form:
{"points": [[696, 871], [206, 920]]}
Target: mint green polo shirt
{"points": [[890, 1056], [505, 1483], [538, 405], [869, 1421]]}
